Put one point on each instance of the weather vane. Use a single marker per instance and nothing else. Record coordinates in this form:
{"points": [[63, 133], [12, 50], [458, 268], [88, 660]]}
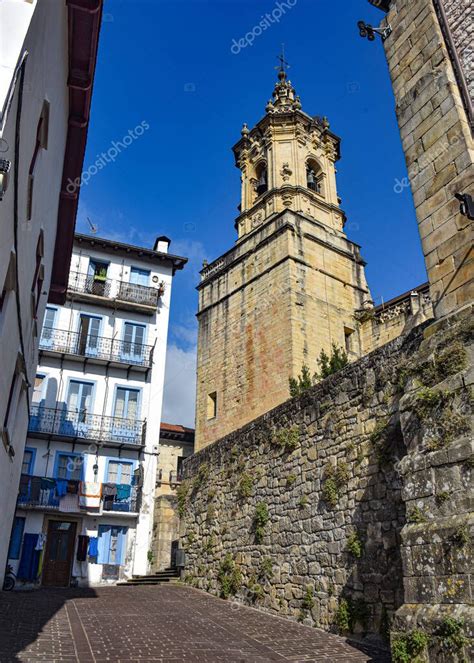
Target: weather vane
{"points": [[283, 66]]}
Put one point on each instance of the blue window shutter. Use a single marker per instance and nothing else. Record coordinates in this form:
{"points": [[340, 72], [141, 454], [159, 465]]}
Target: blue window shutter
{"points": [[104, 544], [17, 535], [121, 547]]}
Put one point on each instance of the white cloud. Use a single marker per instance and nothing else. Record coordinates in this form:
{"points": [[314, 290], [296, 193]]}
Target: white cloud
{"points": [[180, 386]]}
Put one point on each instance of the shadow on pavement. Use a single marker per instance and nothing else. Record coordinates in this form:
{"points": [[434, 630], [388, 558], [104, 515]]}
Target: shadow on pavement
{"points": [[28, 617]]}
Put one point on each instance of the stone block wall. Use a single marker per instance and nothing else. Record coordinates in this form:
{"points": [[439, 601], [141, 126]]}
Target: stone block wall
{"points": [[340, 507], [323, 466], [437, 140]]}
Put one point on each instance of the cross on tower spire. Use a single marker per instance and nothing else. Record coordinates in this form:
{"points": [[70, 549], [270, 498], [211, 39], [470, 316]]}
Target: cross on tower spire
{"points": [[284, 65]]}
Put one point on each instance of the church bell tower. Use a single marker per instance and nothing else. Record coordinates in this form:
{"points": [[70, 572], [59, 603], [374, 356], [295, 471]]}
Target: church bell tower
{"points": [[291, 284]]}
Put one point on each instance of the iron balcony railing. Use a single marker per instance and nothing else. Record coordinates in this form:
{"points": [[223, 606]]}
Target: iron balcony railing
{"points": [[109, 288], [90, 284], [139, 294], [80, 424], [129, 504], [95, 347], [35, 491]]}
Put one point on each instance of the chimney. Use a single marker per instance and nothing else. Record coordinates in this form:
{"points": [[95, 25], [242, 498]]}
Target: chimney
{"points": [[162, 244]]}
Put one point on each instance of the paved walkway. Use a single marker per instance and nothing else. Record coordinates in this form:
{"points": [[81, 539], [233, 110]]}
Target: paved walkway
{"points": [[171, 624]]}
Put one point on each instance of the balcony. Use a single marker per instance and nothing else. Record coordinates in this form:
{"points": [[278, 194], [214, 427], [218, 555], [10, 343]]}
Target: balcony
{"points": [[60, 423], [97, 349], [119, 294], [127, 504], [47, 493]]}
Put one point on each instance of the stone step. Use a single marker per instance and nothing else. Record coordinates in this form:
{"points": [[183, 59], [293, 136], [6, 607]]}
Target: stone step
{"points": [[146, 582]]}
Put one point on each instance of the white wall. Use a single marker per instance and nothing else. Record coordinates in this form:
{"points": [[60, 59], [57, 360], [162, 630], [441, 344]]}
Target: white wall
{"points": [[45, 79], [59, 372]]}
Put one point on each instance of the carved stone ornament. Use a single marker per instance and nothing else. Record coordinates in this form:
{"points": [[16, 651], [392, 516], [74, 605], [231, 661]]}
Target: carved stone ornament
{"points": [[286, 172]]}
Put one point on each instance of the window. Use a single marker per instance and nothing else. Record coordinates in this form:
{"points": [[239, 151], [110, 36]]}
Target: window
{"points": [[79, 398], [139, 276], [212, 405], [28, 461], [133, 339], [39, 388], [179, 467], [68, 466], [96, 283], [41, 143], [48, 324], [98, 269], [111, 544], [88, 342], [16, 538], [348, 336], [38, 277], [126, 403], [119, 472]]}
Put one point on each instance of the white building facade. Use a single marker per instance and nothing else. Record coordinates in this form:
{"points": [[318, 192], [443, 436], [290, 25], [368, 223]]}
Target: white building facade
{"points": [[47, 56], [85, 506]]}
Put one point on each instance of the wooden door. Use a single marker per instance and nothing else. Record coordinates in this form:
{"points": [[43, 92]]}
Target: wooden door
{"points": [[59, 553]]}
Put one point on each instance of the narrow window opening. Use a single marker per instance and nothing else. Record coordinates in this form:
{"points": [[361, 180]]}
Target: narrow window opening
{"points": [[212, 405]]}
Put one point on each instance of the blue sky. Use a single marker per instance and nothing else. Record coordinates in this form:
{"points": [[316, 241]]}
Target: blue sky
{"points": [[170, 66]]}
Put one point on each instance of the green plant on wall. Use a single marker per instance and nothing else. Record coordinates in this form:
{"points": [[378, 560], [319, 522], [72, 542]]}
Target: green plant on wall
{"points": [[265, 571], [201, 476], [460, 538], [451, 635], [229, 577], [330, 364], [354, 545], [343, 617], [335, 477], [287, 438], [301, 383], [409, 647], [416, 516], [182, 495], [349, 612], [260, 521], [244, 488]]}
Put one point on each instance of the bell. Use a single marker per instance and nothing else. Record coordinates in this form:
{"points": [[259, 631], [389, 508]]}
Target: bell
{"points": [[262, 183], [310, 177]]}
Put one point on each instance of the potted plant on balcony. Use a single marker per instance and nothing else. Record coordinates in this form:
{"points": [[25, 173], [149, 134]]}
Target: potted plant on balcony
{"points": [[100, 277]]}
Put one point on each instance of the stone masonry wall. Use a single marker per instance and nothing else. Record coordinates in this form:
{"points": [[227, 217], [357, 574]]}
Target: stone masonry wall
{"points": [[340, 507], [437, 141], [323, 466]]}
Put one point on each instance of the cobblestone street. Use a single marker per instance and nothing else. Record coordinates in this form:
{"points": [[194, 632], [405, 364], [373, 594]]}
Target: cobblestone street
{"points": [[171, 624]]}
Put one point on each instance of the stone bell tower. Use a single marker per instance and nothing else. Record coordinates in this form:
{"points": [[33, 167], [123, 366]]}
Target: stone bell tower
{"points": [[292, 282]]}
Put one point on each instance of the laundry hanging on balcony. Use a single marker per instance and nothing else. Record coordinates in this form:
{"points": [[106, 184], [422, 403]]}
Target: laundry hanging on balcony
{"points": [[90, 494]]}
